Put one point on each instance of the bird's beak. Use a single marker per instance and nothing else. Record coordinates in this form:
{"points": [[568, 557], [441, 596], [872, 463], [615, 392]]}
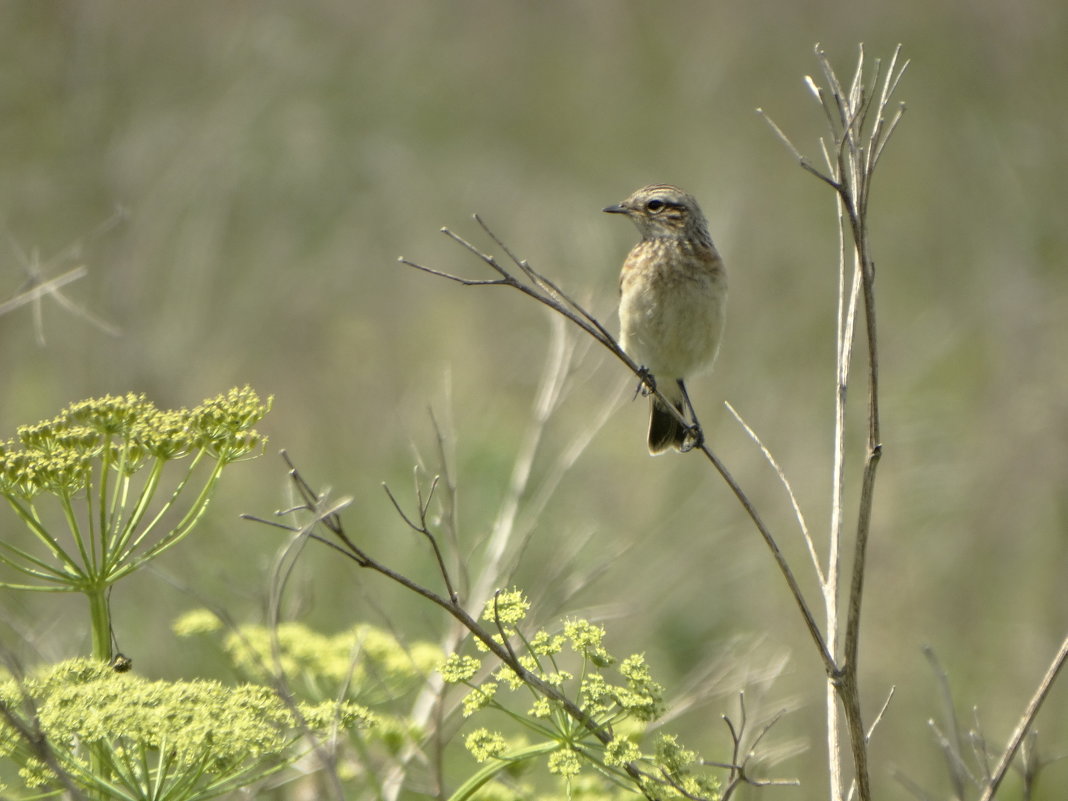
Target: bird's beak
{"points": [[616, 210]]}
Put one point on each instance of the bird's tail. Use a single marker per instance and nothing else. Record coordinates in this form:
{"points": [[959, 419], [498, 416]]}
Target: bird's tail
{"points": [[665, 431]]}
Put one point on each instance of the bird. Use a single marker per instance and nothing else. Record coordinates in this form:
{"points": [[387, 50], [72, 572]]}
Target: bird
{"points": [[672, 305]]}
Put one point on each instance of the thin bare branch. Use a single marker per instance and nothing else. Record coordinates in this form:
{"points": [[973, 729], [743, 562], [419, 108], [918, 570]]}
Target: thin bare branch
{"points": [[980, 749], [798, 514], [518, 262], [801, 160], [424, 503], [1026, 721], [890, 128], [485, 257], [879, 715], [558, 301], [457, 278], [959, 772], [397, 507], [836, 104], [945, 693], [422, 528], [36, 286]]}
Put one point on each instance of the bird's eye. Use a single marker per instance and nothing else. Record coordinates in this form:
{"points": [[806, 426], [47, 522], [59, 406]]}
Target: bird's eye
{"points": [[655, 205]]}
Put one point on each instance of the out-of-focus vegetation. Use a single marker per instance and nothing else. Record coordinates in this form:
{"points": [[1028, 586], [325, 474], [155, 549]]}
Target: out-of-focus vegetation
{"points": [[273, 160]]}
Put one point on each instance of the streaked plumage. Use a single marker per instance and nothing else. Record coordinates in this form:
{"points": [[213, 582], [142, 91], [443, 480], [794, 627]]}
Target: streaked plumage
{"points": [[673, 292]]}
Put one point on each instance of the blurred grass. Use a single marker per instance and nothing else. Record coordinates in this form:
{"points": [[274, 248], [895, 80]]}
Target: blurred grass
{"points": [[275, 161]]}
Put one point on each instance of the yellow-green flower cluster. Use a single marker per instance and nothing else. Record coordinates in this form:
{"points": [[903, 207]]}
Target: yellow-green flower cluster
{"points": [[56, 456], [507, 606], [479, 698], [586, 639], [565, 762], [578, 666], [640, 698], [224, 424], [545, 644], [673, 756], [366, 663], [643, 697], [197, 621], [682, 768], [484, 744], [141, 736], [111, 415], [458, 668], [621, 751], [370, 661]]}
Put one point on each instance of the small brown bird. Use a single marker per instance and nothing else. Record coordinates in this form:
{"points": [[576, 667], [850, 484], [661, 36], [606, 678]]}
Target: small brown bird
{"points": [[673, 294]]}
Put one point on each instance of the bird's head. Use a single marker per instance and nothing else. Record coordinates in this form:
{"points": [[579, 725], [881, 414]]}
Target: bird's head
{"points": [[662, 210]]}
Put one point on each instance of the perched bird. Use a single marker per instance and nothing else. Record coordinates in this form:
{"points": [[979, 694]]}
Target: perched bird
{"points": [[673, 293]]}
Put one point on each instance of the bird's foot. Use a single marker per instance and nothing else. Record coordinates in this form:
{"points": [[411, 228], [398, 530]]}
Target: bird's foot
{"points": [[646, 382], [692, 437]]}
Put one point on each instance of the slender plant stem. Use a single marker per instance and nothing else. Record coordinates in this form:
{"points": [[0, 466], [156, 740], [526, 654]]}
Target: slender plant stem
{"points": [[1026, 722]]}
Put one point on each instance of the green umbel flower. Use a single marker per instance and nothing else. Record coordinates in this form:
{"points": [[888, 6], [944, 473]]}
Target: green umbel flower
{"points": [[91, 488], [117, 735]]}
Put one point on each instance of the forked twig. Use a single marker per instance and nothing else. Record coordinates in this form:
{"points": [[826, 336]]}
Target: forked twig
{"points": [[421, 528], [738, 766], [326, 516]]}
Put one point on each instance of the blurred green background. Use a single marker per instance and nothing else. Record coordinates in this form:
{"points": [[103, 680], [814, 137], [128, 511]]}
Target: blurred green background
{"points": [[273, 160]]}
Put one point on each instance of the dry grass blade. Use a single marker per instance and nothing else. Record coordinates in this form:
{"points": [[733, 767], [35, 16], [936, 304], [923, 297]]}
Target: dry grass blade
{"points": [[798, 514]]}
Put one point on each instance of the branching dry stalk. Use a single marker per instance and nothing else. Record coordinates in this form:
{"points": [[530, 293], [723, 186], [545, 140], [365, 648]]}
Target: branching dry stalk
{"points": [[326, 515], [860, 121]]}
